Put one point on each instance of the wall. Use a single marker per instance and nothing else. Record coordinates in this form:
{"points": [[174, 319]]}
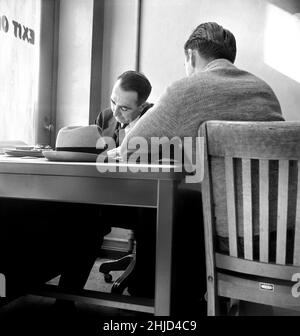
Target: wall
{"points": [[74, 62], [266, 48], [261, 28]]}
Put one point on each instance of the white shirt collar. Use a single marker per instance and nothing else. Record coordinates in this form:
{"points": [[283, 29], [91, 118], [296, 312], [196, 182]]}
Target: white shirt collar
{"points": [[130, 125]]}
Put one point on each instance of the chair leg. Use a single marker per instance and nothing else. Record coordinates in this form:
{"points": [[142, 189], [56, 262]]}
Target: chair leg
{"points": [[226, 306], [213, 301], [234, 307], [213, 308]]}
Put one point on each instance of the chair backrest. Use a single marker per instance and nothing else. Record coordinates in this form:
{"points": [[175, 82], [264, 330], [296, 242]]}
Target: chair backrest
{"points": [[260, 181]]}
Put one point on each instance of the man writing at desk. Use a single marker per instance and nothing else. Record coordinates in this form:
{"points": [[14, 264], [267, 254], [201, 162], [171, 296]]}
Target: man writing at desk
{"points": [[128, 103]]}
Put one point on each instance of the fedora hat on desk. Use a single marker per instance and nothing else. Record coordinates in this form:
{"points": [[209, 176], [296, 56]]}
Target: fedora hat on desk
{"points": [[76, 144]]}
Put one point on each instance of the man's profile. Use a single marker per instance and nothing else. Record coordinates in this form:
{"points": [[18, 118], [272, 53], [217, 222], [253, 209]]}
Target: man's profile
{"points": [[128, 102]]}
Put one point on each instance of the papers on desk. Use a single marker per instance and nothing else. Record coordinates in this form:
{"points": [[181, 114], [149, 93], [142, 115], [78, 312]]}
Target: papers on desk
{"points": [[24, 152]]}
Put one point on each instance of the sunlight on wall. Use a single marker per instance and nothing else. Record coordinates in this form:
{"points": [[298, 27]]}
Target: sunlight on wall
{"points": [[19, 66], [281, 44]]}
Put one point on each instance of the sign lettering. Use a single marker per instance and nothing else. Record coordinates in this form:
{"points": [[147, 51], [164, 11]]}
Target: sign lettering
{"points": [[19, 30]]}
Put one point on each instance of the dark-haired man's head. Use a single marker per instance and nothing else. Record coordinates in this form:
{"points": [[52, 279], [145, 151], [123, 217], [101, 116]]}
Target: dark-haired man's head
{"points": [[207, 42], [129, 95]]}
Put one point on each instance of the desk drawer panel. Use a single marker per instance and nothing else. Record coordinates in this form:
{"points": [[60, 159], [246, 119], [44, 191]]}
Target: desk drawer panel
{"points": [[80, 189]]}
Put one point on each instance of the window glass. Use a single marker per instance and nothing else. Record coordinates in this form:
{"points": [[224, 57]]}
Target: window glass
{"points": [[19, 67]]}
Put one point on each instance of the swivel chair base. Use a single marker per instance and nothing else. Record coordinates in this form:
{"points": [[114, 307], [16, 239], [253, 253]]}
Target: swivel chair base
{"points": [[126, 263]]}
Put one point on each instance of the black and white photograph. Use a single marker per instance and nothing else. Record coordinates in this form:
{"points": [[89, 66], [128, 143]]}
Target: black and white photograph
{"points": [[149, 165]]}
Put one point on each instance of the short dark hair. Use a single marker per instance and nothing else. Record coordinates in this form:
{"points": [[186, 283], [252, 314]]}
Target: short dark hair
{"points": [[136, 81], [212, 41]]}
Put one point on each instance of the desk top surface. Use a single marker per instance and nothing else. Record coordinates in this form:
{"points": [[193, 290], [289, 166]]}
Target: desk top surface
{"points": [[42, 166]]}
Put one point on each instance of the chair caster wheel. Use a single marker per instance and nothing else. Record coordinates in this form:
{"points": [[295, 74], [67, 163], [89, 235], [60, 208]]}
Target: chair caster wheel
{"points": [[107, 278]]}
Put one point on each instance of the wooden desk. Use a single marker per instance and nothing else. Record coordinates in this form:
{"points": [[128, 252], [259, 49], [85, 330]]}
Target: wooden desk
{"points": [[40, 179]]}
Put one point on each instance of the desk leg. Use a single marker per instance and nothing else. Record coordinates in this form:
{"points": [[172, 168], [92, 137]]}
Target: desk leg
{"points": [[165, 215]]}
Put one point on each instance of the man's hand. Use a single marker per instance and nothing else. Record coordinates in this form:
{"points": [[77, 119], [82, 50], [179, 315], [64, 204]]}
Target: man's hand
{"points": [[114, 153]]}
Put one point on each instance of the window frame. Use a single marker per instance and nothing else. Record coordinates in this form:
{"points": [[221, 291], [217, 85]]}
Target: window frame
{"points": [[96, 60], [47, 87]]}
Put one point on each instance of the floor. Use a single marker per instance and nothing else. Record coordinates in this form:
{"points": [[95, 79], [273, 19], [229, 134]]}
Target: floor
{"points": [[39, 315], [252, 309]]}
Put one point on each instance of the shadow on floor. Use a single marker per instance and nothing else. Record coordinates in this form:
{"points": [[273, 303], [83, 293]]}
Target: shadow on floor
{"points": [[39, 315]]}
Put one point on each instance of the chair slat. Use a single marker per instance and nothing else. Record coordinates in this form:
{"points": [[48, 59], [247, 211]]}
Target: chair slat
{"points": [[283, 179], [231, 209], [264, 210], [247, 209], [297, 224]]}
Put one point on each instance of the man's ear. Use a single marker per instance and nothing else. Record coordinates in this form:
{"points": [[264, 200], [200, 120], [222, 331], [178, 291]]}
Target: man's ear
{"points": [[193, 58]]}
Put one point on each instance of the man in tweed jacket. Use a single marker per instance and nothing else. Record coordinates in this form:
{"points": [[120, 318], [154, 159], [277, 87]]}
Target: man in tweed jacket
{"points": [[214, 89]]}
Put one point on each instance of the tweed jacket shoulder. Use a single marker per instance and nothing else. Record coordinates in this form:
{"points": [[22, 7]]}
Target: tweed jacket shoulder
{"points": [[220, 92]]}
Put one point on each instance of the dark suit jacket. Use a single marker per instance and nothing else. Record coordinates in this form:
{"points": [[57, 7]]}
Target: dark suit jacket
{"points": [[109, 125]]}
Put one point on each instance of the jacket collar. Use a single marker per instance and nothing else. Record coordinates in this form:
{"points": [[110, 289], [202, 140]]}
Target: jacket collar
{"points": [[219, 62]]}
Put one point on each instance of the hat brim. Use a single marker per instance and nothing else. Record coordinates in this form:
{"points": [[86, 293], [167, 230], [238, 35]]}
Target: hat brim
{"points": [[70, 156]]}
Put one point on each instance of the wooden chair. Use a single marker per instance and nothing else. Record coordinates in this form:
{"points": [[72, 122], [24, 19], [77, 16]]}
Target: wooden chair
{"points": [[260, 164]]}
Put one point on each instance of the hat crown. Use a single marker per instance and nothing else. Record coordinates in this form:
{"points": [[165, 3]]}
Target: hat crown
{"points": [[78, 136]]}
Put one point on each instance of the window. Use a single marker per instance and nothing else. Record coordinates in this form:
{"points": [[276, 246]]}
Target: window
{"points": [[19, 68]]}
